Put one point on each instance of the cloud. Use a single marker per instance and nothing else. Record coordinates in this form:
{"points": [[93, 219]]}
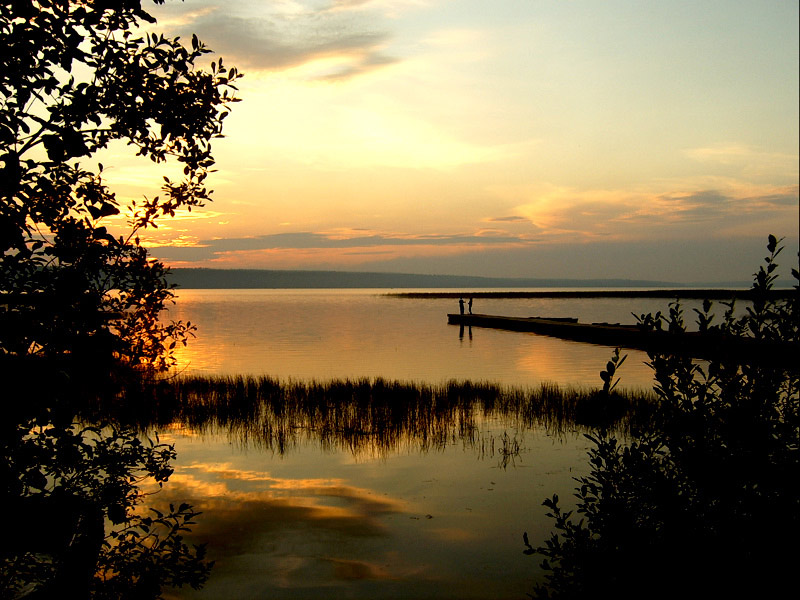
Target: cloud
{"points": [[707, 252], [262, 44], [550, 216], [715, 257], [284, 35], [697, 206], [368, 63], [753, 162], [724, 208], [390, 8], [582, 215], [334, 251], [720, 154], [507, 220], [536, 216], [348, 4], [352, 245]]}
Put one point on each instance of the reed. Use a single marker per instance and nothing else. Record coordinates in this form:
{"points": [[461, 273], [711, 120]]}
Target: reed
{"points": [[374, 416]]}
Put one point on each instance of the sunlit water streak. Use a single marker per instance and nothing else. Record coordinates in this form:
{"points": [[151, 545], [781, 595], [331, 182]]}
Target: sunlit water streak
{"points": [[321, 522], [321, 334]]}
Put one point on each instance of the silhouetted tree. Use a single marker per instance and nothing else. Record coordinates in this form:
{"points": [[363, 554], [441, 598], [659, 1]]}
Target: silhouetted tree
{"points": [[706, 502], [75, 76], [74, 525]]}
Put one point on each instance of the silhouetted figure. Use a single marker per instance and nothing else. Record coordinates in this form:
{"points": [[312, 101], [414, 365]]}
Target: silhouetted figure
{"points": [[470, 306], [461, 305]]}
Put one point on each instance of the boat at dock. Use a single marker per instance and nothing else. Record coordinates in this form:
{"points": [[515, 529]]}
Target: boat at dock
{"points": [[705, 346]]}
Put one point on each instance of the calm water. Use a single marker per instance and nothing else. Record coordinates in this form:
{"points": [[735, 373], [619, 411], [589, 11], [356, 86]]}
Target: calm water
{"points": [[321, 334], [318, 522]]}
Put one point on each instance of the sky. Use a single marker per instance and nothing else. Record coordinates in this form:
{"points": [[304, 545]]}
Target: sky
{"points": [[517, 138]]}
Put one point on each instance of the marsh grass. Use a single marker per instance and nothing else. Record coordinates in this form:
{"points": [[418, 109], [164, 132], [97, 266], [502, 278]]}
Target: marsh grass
{"points": [[376, 416]]}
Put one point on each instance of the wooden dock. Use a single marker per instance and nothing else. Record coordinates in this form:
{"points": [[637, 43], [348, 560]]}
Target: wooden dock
{"points": [[693, 344]]}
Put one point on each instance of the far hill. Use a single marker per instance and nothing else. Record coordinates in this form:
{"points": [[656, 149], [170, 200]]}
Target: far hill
{"points": [[279, 279]]}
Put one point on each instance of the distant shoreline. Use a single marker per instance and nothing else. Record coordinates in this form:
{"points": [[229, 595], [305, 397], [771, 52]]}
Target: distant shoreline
{"points": [[202, 278], [199, 278], [688, 294]]}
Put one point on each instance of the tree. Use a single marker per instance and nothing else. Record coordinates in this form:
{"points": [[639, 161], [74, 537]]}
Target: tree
{"points": [[706, 500], [76, 76], [73, 495]]}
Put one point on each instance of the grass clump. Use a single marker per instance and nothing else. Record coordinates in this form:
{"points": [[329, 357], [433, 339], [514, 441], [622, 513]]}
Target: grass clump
{"points": [[378, 416]]}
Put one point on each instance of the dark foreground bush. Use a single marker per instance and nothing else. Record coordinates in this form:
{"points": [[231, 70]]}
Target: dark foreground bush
{"points": [[706, 502]]}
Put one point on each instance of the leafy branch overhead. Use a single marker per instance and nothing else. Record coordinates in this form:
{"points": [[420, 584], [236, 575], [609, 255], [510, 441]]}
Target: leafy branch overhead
{"points": [[76, 76]]}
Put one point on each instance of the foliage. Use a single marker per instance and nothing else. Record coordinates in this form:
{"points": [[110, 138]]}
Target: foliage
{"points": [[74, 492], [76, 297], [612, 366], [149, 553], [706, 500], [75, 77]]}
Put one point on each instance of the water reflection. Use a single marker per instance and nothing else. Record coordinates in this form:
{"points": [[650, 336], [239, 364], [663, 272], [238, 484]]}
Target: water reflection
{"points": [[300, 537], [321, 334], [73, 487], [365, 488], [372, 417], [319, 523], [245, 506]]}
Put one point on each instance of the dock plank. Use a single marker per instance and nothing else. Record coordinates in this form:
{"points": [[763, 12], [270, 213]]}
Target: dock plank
{"points": [[696, 345]]}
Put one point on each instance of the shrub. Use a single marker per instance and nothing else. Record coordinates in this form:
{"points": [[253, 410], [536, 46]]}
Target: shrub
{"points": [[705, 502]]}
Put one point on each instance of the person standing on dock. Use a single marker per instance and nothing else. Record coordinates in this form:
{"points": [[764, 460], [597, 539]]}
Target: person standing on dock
{"points": [[461, 305], [470, 305]]}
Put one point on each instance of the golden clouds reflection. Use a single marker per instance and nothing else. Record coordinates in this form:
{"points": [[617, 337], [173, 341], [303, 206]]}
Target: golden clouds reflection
{"points": [[329, 498], [289, 523], [357, 570]]}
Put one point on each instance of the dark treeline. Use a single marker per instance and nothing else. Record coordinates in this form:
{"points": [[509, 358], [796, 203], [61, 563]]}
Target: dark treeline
{"points": [[376, 416]]}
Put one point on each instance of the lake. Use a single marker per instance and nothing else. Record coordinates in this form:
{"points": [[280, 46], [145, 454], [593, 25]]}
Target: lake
{"points": [[412, 520], [320, 334]]}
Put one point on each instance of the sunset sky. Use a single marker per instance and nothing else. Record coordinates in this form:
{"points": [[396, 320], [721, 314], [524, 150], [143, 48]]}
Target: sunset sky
{"points": [[529, 138]]}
